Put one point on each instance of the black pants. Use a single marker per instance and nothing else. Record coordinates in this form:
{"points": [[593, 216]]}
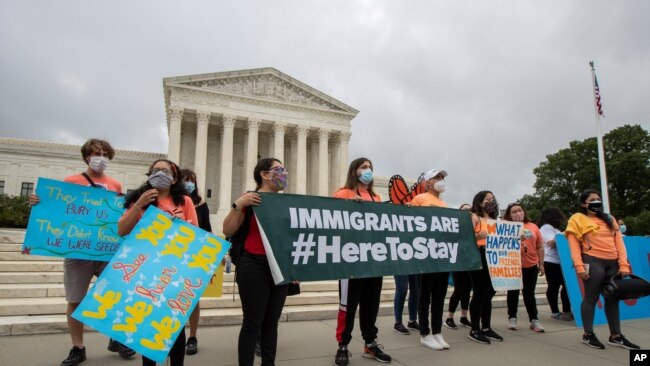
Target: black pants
{"points": [[480, 307], [529, 279], [433, 289], [262, 302], [462, 289], [600, 271], [176, 353], [364, 293], [554, 280]]}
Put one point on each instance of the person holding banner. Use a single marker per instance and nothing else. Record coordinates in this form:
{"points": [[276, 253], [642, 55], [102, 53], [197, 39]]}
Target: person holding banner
{"points": [[462, 291], [433, 286], [550, 222], [163, 189], [364, 293], [78, 273], [598, 253], [262, 301], [203, 215], [484, 206], [532, 264]]}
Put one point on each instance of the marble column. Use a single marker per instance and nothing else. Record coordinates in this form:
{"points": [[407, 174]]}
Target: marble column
{"points": [[292, 163], [278, 141], [345, 160], [335, 177], [174, 147], [200, 156], [323, 163], [253, 128], [225, 181], [301, 160]]}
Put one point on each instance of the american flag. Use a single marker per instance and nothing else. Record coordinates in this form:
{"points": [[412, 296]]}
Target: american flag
{"points": [[599, 105]]}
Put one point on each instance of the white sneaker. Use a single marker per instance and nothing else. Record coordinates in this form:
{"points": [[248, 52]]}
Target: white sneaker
{"points": [[429, 341], [536, 326], [441, 341], [512, 324]]}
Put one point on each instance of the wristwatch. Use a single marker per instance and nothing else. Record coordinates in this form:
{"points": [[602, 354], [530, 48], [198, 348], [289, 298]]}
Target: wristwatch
{"points": [[234, 205]]}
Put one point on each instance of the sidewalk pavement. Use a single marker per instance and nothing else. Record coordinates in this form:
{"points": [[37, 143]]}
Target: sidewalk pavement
{"points": [[312, 343]]}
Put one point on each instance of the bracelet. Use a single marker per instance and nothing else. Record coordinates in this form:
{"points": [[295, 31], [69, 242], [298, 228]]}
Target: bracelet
{"points": [[138, 207]]}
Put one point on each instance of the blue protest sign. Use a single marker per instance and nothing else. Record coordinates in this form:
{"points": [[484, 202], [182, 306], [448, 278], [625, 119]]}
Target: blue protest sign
{"points": [[150, 287], [73, 221], [638, 254]]}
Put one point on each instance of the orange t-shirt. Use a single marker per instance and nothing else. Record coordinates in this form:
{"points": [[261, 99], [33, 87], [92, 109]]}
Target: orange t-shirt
{"points": [[349, 194], [481, 226], [604, 244], [529, 246], [185, 212], [105, 182], [428, 199]]}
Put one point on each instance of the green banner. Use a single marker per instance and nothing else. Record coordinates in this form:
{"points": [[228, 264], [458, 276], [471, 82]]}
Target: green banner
{"points": [[309, 238]]}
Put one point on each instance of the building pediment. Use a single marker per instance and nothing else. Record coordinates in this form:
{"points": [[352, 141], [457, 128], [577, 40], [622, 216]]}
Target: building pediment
{"points": [[266, 84]]}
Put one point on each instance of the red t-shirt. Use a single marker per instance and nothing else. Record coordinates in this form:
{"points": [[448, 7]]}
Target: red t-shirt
{"points": [[253, 243]]}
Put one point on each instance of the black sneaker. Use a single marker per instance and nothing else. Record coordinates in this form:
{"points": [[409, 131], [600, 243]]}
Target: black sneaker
{"points": [[342, 357], [413, 325], [258, 348], [401, 329], [113, 345], [590, 340], [449, 323], [492, 335], [621, 341], [374, 350], [76, 356], [192, 346], [478, 336], [464, 321], [124, 351]]}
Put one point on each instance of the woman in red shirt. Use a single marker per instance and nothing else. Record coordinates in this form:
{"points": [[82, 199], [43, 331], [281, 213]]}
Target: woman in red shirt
{"points": [[262, 301]]}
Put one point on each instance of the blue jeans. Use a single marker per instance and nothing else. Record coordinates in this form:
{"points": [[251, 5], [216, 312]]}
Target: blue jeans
{"points": [[402, 285]]}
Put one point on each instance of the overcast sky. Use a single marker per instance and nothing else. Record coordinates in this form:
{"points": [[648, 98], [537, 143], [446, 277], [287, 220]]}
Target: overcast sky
{"points": [[483, 89]]}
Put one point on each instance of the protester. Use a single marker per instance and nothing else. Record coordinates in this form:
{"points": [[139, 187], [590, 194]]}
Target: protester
{"points": [[163, 189], [598, 253], [550, 222], [78, 273], [362, 292], [462, 290], [484, 207], [203, 215], [433, 286], [406, 284], [621, 226], [262, 301], [532, 264]]}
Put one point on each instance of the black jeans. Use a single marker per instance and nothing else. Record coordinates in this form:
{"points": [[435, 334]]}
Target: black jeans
{"points": [[262, 302], [480, 307], [554, 279], [364, 293], [529, 278], [176, 353], [600, 270], [433, 289], [462, 289]]}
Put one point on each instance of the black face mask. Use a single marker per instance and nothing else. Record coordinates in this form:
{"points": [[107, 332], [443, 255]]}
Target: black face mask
{"points": [[595, 206], [490, 206]]}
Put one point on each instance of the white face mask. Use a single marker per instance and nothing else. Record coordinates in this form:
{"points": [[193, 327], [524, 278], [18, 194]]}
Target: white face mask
{"points": [[440, 186], [98, 163]]}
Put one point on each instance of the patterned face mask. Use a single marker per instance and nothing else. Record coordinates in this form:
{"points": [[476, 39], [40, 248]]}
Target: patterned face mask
{"points": [[160, 180], [490, 206]]}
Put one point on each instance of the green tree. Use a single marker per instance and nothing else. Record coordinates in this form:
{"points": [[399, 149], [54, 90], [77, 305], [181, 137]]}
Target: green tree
{"points": [[565, 174], [14, 211]]}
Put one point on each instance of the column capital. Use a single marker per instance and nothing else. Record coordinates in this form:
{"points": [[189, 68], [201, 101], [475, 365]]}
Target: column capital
{"points": [[228, 121], [324, 133], [302, 131], [202, 117], [175, 112], [344, 136], [279, 126], [253, 123]]}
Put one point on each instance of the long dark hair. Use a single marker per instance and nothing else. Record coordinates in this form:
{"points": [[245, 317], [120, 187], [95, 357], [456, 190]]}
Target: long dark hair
{"points": [[263, 165], [552, 216], [351, 181], [507, 217], [188, 174], [478, 209], [176, 191], [601, 215]]}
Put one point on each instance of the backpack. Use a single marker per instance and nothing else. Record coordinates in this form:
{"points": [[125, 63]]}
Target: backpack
{"points": [[239, 237]]}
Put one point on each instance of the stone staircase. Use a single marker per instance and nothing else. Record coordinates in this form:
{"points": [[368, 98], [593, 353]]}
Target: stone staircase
{"points": [[32, 298]]}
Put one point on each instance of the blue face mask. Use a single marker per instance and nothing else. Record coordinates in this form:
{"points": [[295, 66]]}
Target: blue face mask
{"points": [[366, 176], [189, 186], [623, 229]]}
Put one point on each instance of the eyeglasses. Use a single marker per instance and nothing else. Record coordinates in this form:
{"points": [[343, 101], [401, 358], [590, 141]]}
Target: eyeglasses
{"points": [[278, 170]]}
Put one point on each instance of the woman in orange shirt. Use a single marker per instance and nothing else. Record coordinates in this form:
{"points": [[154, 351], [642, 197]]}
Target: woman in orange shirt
{"points": [[598, 253], [532, 264]]}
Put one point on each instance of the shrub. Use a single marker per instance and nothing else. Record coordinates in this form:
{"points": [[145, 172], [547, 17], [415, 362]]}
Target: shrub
{"points": [[14, 211]]}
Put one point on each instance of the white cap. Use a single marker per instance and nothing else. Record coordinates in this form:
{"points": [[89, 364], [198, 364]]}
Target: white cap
{"points": [[433, 172]]}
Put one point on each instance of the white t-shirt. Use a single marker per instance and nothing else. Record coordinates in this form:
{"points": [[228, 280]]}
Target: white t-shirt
{"points": [[548, 233]]}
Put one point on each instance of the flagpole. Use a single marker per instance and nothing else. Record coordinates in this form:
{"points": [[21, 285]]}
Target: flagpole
{"points": [[599, 141]]}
